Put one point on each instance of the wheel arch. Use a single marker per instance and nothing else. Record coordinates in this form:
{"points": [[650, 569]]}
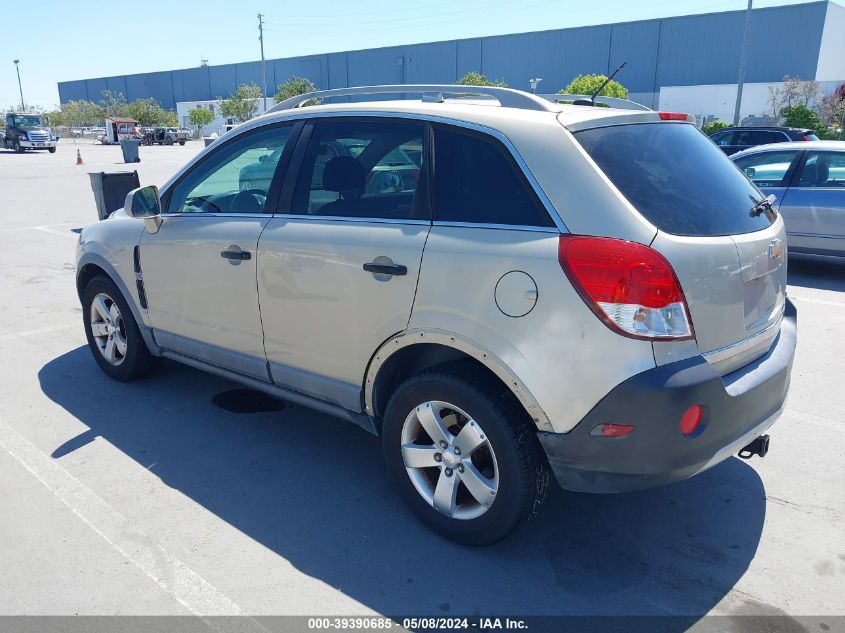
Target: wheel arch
{"points": [[92, 265], [416, 350]]}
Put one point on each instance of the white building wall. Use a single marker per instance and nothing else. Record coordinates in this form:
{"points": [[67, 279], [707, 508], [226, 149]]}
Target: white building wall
{"points": [[183, 109], [832, 49], [718, 101]]}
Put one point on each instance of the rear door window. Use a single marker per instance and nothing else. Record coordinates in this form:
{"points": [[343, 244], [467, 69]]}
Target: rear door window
{"points": [[363, 169], [478, 181], [723, 139], [823, 170], [758, 137], [676, 179], [767, 169]]}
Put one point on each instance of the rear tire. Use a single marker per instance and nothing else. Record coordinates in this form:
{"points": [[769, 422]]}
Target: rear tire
{"points": [[181, 142], [117, 345], [508, 458]]}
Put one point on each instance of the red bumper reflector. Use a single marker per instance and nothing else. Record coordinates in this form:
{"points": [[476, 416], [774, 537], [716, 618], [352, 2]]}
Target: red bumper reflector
{"points": [[612, 430], [691, 420]]}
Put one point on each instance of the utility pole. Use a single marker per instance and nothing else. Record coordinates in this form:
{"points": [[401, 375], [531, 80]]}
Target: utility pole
{"points": [[18, 70], [742, 62], [263, 71]]}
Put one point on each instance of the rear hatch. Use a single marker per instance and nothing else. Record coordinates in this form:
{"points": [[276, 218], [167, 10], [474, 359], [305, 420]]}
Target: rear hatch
{"points": [[728, 250]]}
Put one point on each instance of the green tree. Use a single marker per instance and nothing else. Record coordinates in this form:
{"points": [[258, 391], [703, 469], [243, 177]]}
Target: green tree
{"points": [[473, 78], [241, 104], [112, 103], [588, 84], [804, 117], [54, 118], [714, 126], [199, 117], [293, 87], [148, 112], [82, 113]]}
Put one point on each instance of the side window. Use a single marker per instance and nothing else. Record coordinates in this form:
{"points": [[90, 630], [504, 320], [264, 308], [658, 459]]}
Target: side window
{"points": [[722, 138], [823, 169], [767, 169], [235, 178], [362, 169], [478, 181]]}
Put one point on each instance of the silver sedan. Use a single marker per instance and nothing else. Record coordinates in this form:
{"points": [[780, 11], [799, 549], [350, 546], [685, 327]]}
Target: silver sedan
{"points": [[808, 182]]}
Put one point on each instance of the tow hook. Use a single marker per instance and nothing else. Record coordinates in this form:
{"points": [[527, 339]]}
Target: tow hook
{"points": [[760, 447]]}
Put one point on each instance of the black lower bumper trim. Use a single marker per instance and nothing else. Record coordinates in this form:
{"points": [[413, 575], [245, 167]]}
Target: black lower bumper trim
{"points": [[735, 406]]}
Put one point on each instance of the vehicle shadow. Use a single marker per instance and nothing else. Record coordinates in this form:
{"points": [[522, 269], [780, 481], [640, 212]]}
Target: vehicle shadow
{"points": [[823, 273], [314, 491]]}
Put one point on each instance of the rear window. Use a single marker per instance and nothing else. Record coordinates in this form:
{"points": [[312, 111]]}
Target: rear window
{"points": [[676, 178]]}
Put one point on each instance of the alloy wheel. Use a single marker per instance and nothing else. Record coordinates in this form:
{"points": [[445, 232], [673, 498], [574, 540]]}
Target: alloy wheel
{"points": [[450, 460], [108, 329]]}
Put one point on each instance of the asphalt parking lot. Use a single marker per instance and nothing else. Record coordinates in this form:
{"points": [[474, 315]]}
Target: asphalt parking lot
{"points": [[149, 498]]}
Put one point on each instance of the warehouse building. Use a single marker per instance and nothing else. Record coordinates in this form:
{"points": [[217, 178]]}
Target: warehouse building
{"points": [[687, 63]]}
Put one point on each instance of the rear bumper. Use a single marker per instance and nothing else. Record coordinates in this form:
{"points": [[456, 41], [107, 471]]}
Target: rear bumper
{"points": [[737, 408]]}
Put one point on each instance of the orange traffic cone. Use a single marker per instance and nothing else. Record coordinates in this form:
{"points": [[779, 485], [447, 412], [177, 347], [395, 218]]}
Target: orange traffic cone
{"points": [[79, 158]]}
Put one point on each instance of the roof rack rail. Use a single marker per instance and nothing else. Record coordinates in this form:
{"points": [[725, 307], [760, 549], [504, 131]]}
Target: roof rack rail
{"points": [[611, 102], [507, 97]]}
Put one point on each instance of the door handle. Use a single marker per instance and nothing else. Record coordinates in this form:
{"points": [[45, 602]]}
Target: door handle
{"points": [[385, 269], [238, 255]]}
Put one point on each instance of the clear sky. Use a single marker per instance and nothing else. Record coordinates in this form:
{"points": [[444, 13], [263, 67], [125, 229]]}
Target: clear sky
{"points": [[61, 40]]}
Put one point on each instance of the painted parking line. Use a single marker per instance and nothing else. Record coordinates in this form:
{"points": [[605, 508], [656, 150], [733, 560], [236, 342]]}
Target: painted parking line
{"points": [[31, 228], [835, 304], [52, 231], [186, 586], [43, 330]]}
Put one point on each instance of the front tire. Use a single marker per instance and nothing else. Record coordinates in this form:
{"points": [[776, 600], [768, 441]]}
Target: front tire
{"points": [[464, 454], [113, 335], [17, 147], [52, 150]]}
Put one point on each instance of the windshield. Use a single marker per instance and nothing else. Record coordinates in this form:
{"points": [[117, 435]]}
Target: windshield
{"points": [[677, 178], [28, 120]]}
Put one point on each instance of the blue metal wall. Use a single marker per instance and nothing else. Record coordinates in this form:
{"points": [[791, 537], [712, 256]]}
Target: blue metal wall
{"points": [[682, 51]]}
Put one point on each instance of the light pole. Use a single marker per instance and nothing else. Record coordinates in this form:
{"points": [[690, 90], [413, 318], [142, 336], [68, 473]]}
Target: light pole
{"points": [[263, 72], [742, 61], [18, 70]]}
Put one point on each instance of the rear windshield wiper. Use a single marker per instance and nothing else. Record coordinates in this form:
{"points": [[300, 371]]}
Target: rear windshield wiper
{"points": [[766, 203]]}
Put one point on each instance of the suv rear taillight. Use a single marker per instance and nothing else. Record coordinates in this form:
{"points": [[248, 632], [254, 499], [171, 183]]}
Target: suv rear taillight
{"points": [[631, 287]]}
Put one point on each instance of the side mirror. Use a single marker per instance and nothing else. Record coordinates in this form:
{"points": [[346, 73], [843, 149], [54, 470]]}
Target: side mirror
{"points": [[750, 172], [144, 203]]}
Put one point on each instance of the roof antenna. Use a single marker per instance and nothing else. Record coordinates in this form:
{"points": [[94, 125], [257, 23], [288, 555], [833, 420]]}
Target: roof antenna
{"points": [[606, 81]]}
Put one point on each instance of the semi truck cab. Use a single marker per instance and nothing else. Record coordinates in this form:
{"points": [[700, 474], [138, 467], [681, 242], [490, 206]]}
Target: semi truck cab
{"points": [[27, 131]]}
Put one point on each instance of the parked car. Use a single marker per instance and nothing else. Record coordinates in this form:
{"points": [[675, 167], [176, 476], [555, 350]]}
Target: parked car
{"points": [[169, 136], [589, 292], [736, 139], [808, 182]]}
